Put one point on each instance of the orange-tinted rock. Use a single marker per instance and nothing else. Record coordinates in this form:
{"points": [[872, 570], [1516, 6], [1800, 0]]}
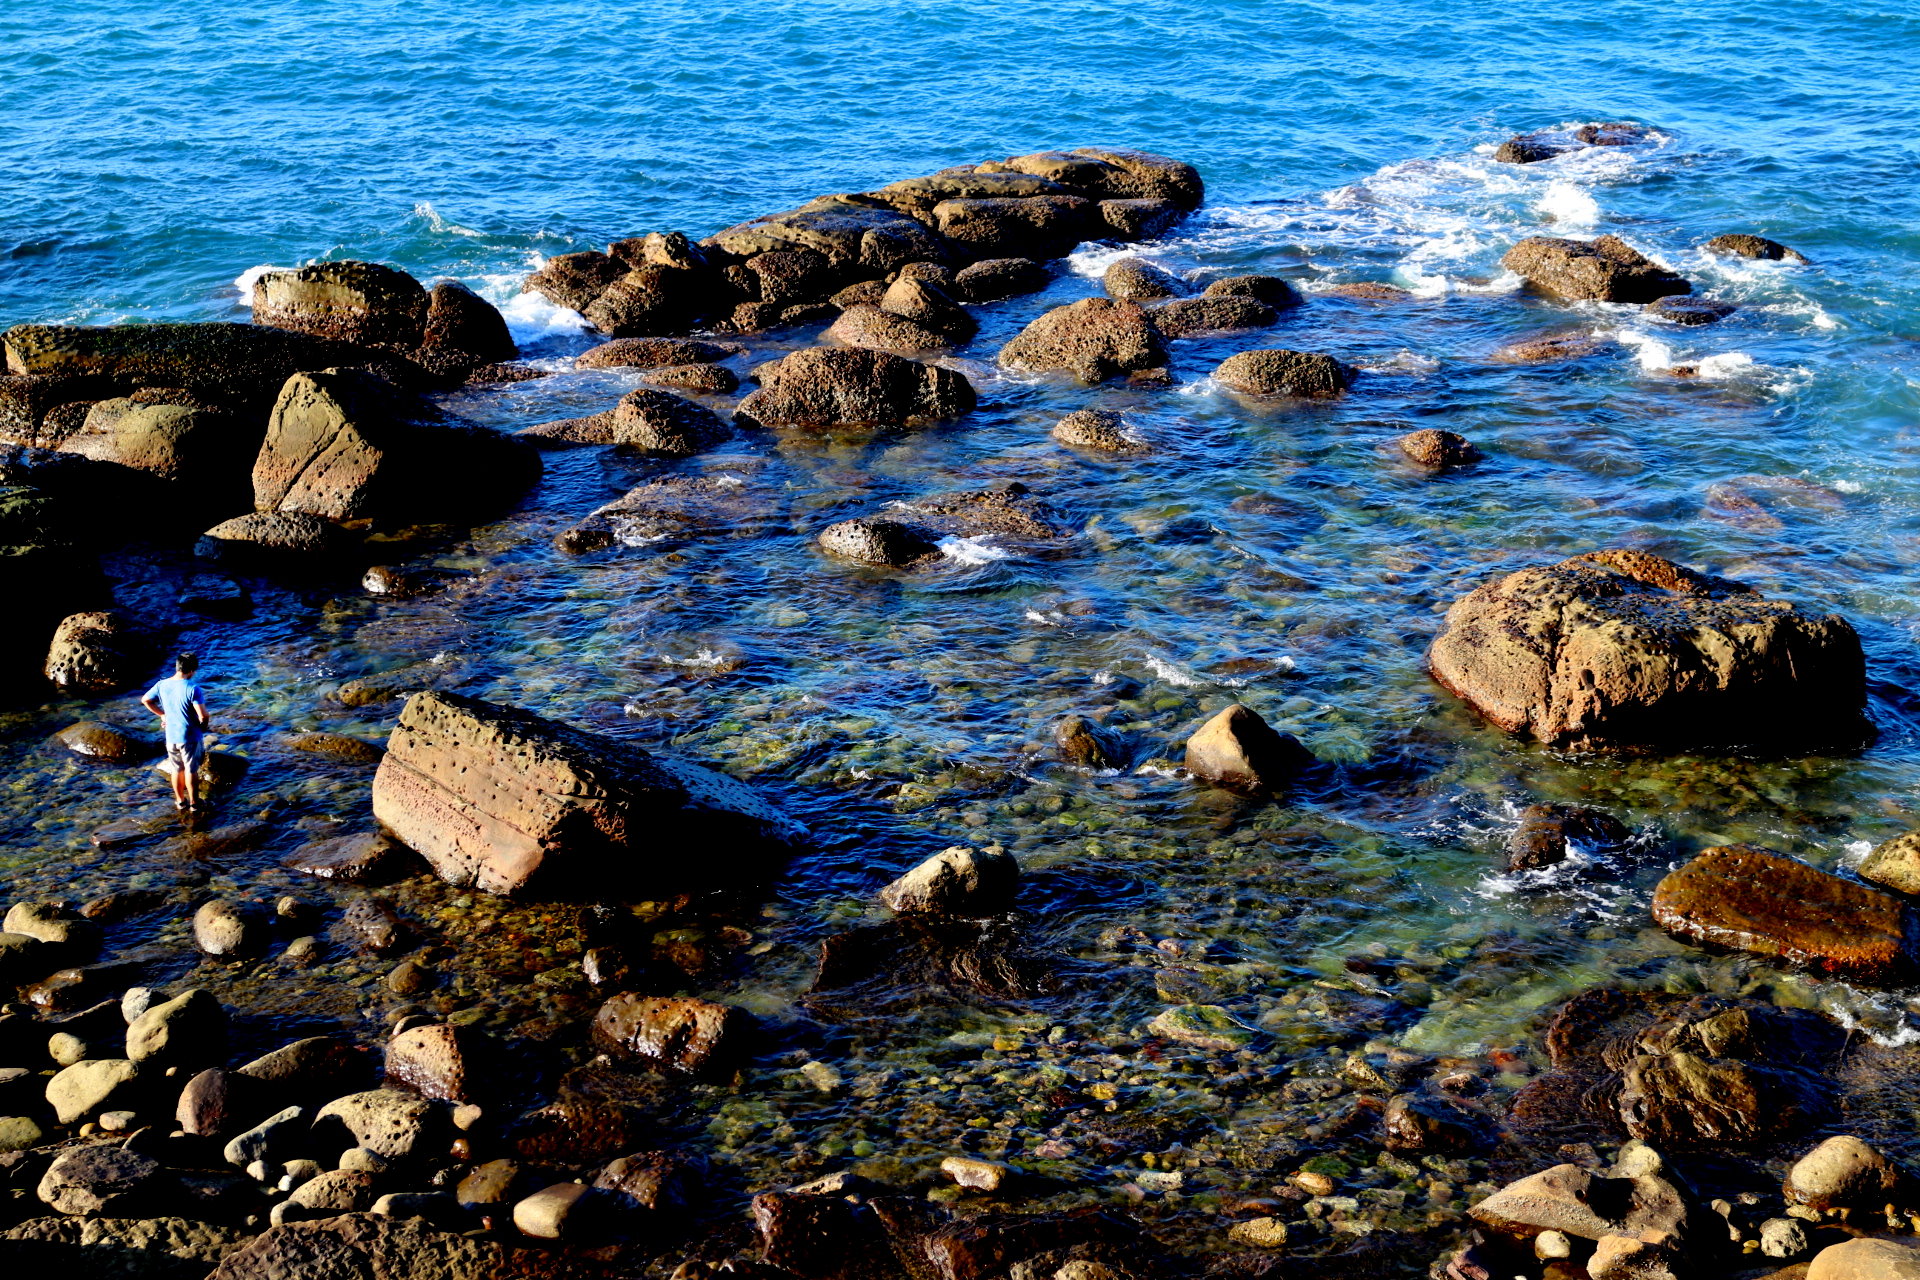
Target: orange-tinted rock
{"points": [[1745, 898], [678, 1032]]}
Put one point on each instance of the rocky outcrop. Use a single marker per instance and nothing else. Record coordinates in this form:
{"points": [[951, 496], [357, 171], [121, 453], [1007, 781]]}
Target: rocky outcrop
{"points": [[1625, 649], [501, 798], [997, 278], [645, 421], [957, 882], [1438, 450], [651, 353], [97, 652], [463, 332], [1272, 290], [1738, 244], [347, 445], [823, 388], [1745, 898], [1276, 371], [235, 364], [1603, 270], [197, 450], [1094, 339], [1239, 751], [670, 510], [911, 315], [360, 302], [364, 1246], [1036, 226], [1690, 310]]}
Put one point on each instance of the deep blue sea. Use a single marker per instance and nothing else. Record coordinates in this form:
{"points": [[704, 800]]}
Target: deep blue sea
{"points": [[157, 153]]}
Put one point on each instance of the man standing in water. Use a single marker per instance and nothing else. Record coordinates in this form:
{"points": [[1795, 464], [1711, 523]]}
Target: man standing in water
{"points": [[177, 701]]}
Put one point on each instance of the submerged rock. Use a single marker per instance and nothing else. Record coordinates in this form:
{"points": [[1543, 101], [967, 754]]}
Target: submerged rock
{"points": [[1094, 339], [1737, 244], [883, 543], [1622, 649], [1088, 745], [1438, 450], [1745, 898], [671, 509], [822, 388], [677, 1032], [957, 882], [366, 857], [1547, 832], [1239, 751], [1100, 429], [1603, 270], [1277, 371], [497, 797], [1192, 317], [1690, 311], [1204, 1026], [1525, 148], [1548, 349]]}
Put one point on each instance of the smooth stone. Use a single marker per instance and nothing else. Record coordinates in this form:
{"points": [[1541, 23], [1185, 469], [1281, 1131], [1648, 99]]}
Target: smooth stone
{"points": [[1239, 751], [108, 1181], [396, 1125], [1204, 1026], [1866, 1259], [76, 1092], [975, 1173], [547, 1214], [270, 1142], [958, 881], [190, 1027]]}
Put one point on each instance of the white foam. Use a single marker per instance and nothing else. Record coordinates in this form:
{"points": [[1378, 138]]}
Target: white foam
{"points": [[1182, 677], [1568, 206], [245, 281], [531, 316], [435, 222], [704, 658], [1092, 258], [977, 550]]}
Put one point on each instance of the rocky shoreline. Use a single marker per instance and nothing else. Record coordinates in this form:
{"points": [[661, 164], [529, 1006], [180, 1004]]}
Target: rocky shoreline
{"points": [[1647, 1135]]}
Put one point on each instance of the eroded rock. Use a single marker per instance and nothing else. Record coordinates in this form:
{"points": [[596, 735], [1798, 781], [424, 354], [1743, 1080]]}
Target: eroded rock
{"points": [[1603, 270], [1239, 751]]}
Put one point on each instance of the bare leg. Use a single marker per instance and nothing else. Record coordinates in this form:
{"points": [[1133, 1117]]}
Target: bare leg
{"points": [[190, 778], [180, 784]]}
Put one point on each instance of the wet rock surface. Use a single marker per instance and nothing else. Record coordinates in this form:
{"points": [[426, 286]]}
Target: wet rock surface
{"points": [[1603, 270], [1621, 648]]}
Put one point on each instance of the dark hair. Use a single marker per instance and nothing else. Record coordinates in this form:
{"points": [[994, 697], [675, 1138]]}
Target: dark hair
{"points": [[186, 664]]}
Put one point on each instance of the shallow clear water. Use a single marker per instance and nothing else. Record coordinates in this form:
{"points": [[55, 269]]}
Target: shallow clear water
{"points": [[1282, 556]]}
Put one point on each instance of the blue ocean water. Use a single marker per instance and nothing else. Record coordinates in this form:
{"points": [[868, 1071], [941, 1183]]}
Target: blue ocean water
{"points": [[159, 153]]}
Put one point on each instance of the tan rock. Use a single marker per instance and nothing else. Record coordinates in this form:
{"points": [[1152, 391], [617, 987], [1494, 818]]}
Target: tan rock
{"points": [[1239, 751], [1895, 863], [1866, 1259]]}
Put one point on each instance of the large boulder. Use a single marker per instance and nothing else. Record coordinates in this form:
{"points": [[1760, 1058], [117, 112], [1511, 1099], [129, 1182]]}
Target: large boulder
{"points": [[1138, 280], [463, 331], [650, 353], [351, 301], [97, 652], [1192, 317], [1895, 863], [996, 278], [677, 1032], [647, 421], [1623, 649], [1239, 751], [574, 280], [828, 387], [1845, 1173], [1866, 1258], [498, 797], [653, 300], [238, 364], [1603, 270], [1276, 371], [1582, 1202], [103, 1181], [347, 445], [1094, 339], [1745, 898], [196, 449], [1117, 174]]}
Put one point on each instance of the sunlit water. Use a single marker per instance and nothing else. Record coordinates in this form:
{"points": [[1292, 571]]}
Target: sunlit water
{"points": [[1282, 556]]}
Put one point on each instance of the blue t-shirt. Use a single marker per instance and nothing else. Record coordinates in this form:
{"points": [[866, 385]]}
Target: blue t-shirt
{"points": [[176, 696]]}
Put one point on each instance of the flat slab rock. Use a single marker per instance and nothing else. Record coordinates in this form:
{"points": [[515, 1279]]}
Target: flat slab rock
{"points": [[1746, 898], [496, 797], [359, 1246], [1624, 649], [116, 1248]]}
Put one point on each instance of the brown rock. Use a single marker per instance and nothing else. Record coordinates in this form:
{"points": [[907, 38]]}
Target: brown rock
{"points": [[1272, 290], [677, 1032], [1239, 751], [1419, 1122], [1277, 371], [1438, 450], [996, 278], [1139, 219], [350, 301], [464, 331], [659, 422], [1741, 245], [1866, 1259], [1628, 1258], [274, 535], [366, 857], [1192, 317], [1100, 429], [374, 925], [1581, 1202], [344, 444], [1137, 280], [1546, 831], [1368, 291], [1093, 339], [1622, 648], [218, 1104], [957, 882], [789, 276], [1604, 270], [99, 741], [309, 1070], [701, 379], [364, 1246], [574, 280], [1041, 226], [1745, 898], [1548, 349], [434, 1061], [100, 652], [649, 1181], [1088, 745], [1526, 149], [337, 746], [651, 353], [828, 387], [1689, 311], [494, 796], [1895, 863], [105, 1181], [885, 543], [1845, 1173], [877, 329]]}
